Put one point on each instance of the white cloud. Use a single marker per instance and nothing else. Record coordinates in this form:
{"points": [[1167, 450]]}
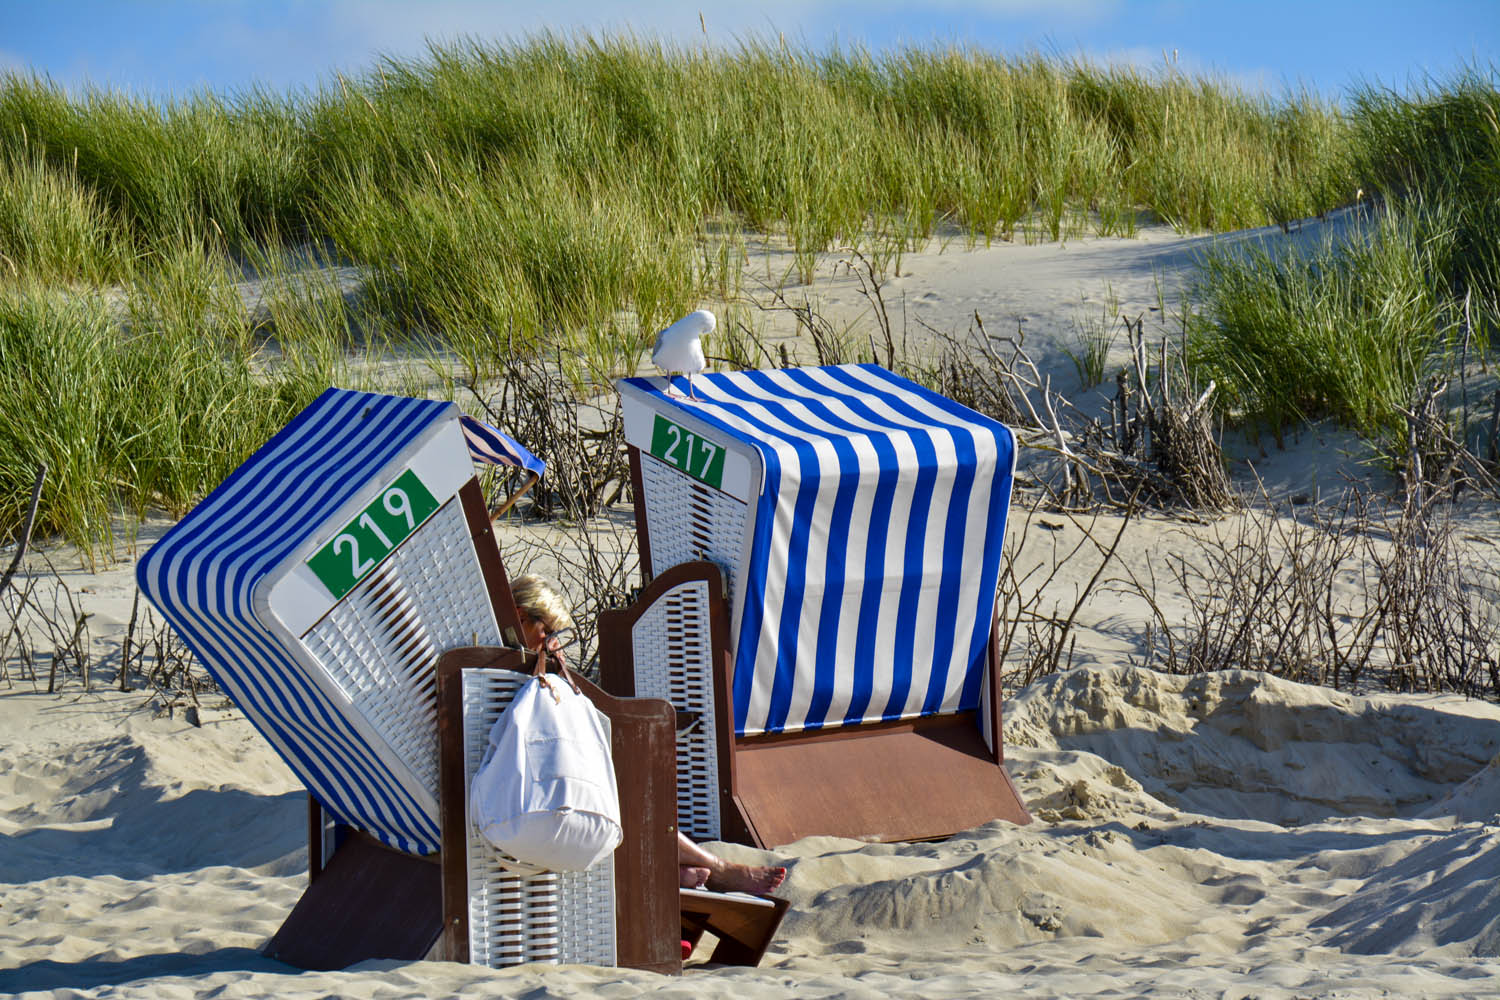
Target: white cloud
{"points": [[1068, 10], [1251, 80], [398, 27]]}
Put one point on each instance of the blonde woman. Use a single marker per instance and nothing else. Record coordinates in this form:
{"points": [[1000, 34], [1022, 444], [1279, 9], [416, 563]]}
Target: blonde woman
{"points": [[544, 613]]}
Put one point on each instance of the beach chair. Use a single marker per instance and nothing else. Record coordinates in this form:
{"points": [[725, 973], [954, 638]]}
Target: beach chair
{"points": [[823, 549], [319, 582], [337, 586], [623, 910], [318, 585]]}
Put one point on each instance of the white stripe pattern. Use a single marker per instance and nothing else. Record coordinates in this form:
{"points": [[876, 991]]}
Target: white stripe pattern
{"points": [[875, 555], [202, 575], [491, 446]]}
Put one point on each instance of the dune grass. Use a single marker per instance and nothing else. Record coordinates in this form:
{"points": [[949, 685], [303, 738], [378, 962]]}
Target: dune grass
{"points": [[1440, 146], [150, 412], [1353, 329], [205, 165], [568, 196], [812, 145], [1345, 330], [52, 228]]}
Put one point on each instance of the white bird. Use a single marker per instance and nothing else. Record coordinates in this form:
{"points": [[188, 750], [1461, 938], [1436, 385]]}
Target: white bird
{"points": [[678, 348]]}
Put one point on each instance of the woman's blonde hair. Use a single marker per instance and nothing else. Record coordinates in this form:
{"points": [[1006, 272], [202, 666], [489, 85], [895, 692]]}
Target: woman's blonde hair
{"points": [[542, 602]]}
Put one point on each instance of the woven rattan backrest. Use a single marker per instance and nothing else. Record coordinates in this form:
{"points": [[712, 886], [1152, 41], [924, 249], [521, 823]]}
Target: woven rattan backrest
{"points": [[673, 654], [566, 917], [688, 521], [379, 644]]}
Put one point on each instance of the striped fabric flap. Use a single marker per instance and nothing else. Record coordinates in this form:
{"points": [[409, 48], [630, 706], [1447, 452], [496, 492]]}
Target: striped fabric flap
{"points": [[872, 571], [203, 572], [488, 445]]}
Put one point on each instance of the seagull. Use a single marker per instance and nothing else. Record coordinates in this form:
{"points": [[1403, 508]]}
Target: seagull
{"points": [[679, 350]]}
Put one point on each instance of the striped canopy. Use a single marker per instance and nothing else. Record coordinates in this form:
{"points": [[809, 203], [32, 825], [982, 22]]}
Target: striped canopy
{"points": [[488, 445], [870, 574], [214, 576]]}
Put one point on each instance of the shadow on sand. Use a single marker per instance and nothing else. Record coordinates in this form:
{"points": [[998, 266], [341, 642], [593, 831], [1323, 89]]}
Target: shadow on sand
{"points": [[49, 975]]}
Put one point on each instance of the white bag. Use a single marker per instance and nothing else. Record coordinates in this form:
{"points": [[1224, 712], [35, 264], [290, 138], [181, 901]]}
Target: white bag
{"points": [[546, 792]]}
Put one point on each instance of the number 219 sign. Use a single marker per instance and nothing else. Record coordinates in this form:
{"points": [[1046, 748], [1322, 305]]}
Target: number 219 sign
{"points": [[373, 535]]}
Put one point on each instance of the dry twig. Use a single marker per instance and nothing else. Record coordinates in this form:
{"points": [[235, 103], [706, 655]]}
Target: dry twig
{"points": [[24, 539]]}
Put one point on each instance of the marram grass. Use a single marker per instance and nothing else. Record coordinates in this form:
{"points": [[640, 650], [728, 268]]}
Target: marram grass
{"points": [[52, 228], [568, 196], [152, 413], [1355, 328], [812, 145]]}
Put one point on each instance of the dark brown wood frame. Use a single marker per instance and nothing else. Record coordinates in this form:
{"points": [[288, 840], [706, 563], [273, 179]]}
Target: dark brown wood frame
{"points": [[643, 745], [745, 928], [487, 550], [365, 900], [910, 779]]}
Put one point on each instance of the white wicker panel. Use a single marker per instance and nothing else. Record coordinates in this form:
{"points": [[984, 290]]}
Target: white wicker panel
{"points": [[688, 520], [380, 643], [554, 917], [673, 653]]}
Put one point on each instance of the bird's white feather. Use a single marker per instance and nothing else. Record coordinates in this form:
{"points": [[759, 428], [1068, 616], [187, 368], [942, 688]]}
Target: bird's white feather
{"points": [[678, 348]]}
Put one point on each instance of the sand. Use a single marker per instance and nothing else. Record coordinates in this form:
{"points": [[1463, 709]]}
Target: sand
{"points": [[1217, 835]]}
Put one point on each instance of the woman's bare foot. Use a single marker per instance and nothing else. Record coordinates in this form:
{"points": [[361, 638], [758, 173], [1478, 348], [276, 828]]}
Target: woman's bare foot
{"points": [[727, 876], [731, 877], [692, 876]]}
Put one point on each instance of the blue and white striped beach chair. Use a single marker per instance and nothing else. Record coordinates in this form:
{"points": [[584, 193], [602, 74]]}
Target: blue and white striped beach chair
{"points": [[319, 585], [856, 520]]}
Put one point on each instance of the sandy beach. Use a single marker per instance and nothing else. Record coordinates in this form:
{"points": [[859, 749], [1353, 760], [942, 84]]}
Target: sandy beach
{"points": [[1225, 834]]}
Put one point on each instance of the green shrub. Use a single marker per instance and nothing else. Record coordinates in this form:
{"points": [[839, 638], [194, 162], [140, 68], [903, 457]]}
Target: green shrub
{"points": [[1351, 329], [1440, 146], [152, 416]]}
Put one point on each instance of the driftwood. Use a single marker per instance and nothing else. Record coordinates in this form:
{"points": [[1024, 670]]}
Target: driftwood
{"points": [[1436, 462], [1270, 591], [125, 650], [1493, 435]]}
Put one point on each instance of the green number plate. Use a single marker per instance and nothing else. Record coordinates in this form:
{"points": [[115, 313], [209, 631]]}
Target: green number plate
{"points": [[684, 450], [373, 535]]}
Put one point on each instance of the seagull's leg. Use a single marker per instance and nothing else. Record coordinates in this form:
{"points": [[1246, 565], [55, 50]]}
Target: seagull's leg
{"points": [[668, 393], [691, 394]]}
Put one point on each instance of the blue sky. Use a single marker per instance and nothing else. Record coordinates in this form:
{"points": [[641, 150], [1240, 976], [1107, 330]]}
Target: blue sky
{"points": [[173, 47]]}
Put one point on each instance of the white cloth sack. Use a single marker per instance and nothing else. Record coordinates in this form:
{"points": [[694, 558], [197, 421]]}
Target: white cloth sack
{"points": [[546, 793]]}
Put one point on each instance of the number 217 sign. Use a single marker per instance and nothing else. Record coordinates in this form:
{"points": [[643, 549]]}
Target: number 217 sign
{"points": [[689, 452], [374, 534]]}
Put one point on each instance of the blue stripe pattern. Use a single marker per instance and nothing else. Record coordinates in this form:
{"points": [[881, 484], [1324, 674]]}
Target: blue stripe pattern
{"points": [[876, 549], [489, 445], [202, 575]]}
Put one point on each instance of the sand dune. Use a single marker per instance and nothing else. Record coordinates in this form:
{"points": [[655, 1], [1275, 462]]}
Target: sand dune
{"points": [[1196, 836], [1215, 835]]}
